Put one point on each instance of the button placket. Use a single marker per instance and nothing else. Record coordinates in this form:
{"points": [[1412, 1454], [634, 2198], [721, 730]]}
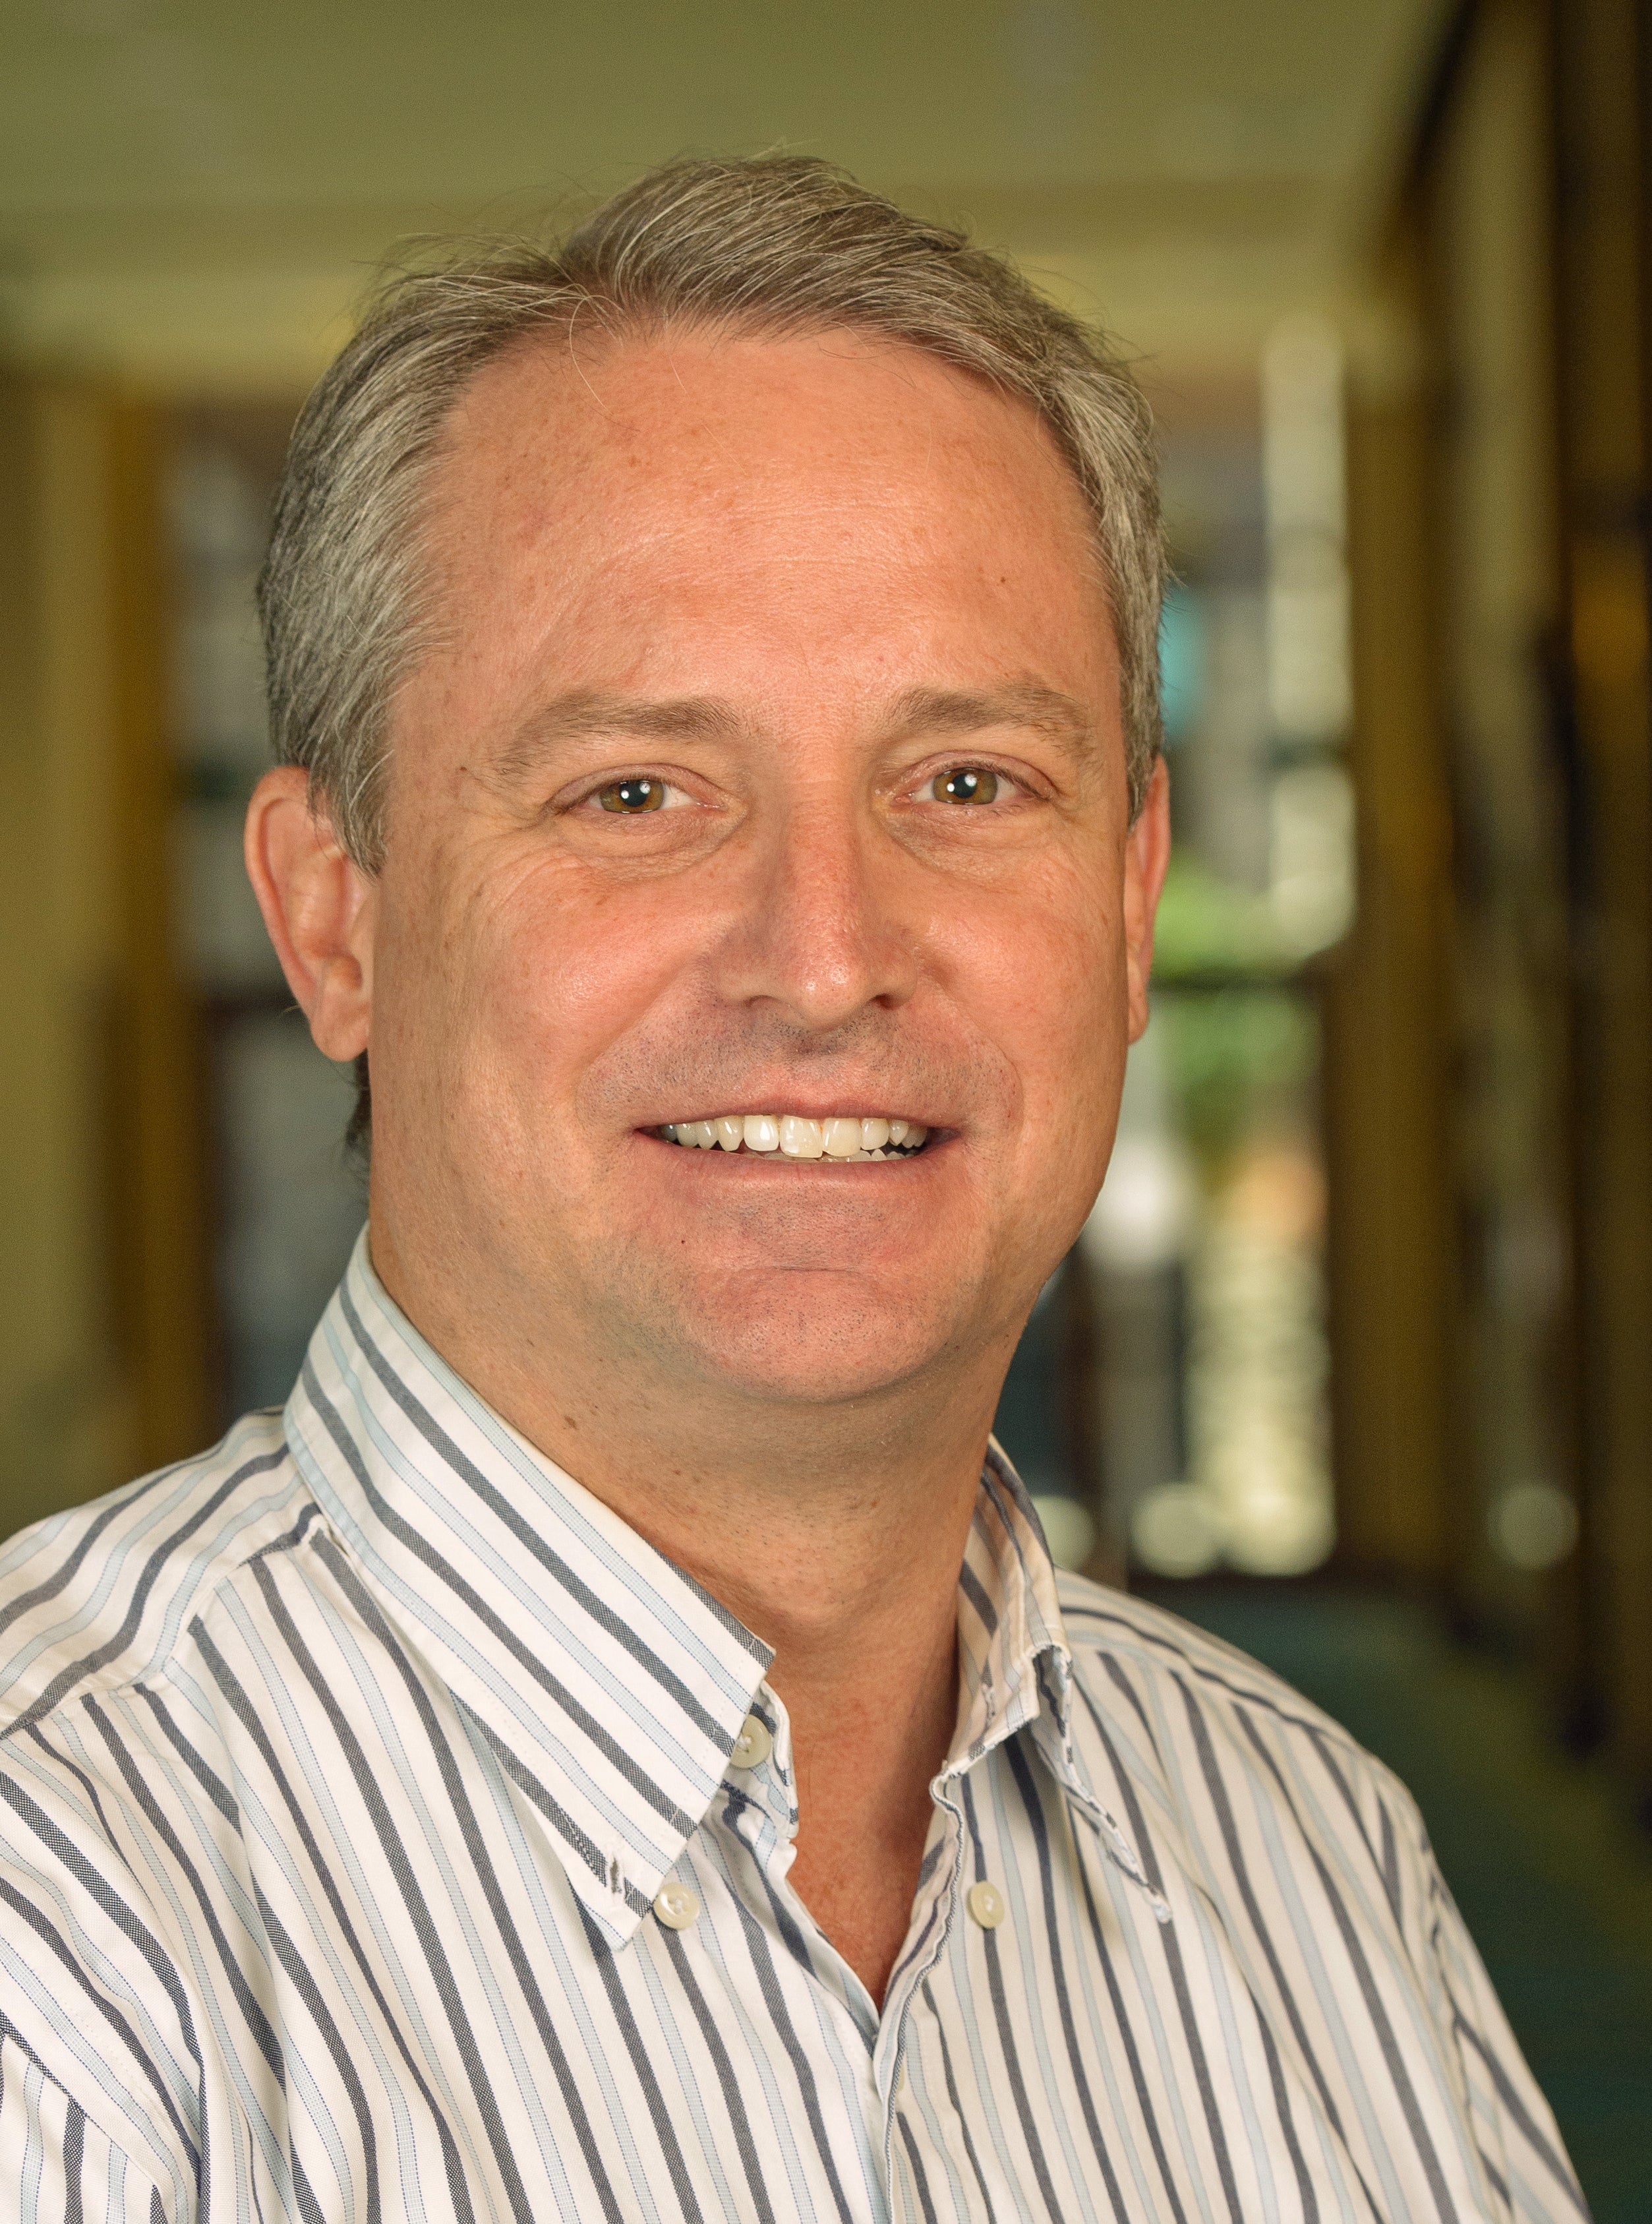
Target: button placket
{"points": [[985, 1905], [757, 1803], [754, 1745], [939, 1901]]}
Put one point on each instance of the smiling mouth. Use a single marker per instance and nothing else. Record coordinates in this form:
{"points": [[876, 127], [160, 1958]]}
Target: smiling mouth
{"points": [[849, 1140]]}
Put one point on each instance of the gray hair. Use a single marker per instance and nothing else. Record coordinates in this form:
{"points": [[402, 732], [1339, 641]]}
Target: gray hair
{"points": [[781, 244]]}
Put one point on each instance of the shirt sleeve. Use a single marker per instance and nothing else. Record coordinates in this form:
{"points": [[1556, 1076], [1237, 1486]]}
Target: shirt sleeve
{"points": [[1513, 2126], [56, 2166]]}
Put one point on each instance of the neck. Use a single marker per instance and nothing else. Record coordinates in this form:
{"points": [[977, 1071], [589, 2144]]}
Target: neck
{"points": [[844, 1558], [814, 1520], [834, 1530]]}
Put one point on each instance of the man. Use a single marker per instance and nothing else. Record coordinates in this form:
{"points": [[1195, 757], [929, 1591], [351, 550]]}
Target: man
{"points": [[616, 1746]]}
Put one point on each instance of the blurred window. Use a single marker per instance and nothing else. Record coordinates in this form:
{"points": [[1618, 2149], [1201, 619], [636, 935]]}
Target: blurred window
{"points": [[1169, 1403], [286, 1203]]}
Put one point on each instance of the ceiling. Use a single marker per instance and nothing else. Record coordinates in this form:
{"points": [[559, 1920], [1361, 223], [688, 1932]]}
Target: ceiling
{"points": [[191, 192]]}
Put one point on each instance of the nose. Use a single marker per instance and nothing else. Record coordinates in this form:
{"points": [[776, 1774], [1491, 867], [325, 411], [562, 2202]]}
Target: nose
{"points": [[818, 936]]}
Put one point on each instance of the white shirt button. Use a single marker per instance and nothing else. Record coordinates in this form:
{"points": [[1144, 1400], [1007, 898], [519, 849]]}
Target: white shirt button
{"points": [[754, 1745], [985, 1905], [676, 1905]]}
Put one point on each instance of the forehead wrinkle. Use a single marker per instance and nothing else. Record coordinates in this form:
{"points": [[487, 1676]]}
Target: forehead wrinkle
{"points": [[1024, 703], [589, 712]]}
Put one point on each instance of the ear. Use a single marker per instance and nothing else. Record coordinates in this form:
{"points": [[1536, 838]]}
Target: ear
{"points": [[1147, 853], [318, 906]]}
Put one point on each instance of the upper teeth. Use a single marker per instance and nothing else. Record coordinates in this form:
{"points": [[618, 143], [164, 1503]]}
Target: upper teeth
{"points": [[848, 1137]]}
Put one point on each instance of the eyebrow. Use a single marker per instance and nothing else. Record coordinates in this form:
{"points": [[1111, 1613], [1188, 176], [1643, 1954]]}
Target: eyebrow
{"points": [[1024, 703], [586, 712]]}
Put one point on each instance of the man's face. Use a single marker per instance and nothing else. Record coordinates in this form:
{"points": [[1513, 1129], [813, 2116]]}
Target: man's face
{"points": [[767, 764]]}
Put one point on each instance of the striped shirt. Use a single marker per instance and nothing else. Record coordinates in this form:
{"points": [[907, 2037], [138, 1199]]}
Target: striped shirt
{"points": [[388, 1833]]}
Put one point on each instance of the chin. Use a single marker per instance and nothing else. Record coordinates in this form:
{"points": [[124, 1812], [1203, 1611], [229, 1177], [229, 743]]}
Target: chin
{"points": [[814, 1348]]}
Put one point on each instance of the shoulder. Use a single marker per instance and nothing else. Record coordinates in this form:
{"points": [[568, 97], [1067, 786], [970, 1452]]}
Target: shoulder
{"points": [[1102, 1623], [97, 1596], [97, 1986], [1189, 1705]]}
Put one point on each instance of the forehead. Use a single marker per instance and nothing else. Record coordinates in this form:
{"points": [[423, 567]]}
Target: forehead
{"points": [[798, 437]]}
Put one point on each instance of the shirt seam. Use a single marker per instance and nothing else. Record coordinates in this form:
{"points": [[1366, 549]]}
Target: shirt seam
{"points": [[10, 2036], [158, 1667]]}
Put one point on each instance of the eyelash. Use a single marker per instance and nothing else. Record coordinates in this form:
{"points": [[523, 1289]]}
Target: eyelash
{"points": [[676, 796]]}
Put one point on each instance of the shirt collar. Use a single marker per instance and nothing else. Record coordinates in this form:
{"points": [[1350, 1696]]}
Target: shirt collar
{"points": [[1014, 1666], [1015, 1663], [610, 1686]]}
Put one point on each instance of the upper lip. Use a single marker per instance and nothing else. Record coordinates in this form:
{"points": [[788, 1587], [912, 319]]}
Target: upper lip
{"points": [[842, 1104]]}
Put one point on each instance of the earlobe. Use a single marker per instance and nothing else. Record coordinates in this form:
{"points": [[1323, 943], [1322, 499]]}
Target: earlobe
{"points": [[1147, 856], [318, 907]]}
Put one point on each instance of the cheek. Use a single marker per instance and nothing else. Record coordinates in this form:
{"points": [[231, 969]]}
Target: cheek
{"points": [[551, 968], [1047, 966]]}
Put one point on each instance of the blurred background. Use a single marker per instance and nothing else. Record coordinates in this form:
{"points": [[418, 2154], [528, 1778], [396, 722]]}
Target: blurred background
{"points": [[1353, 1362]]}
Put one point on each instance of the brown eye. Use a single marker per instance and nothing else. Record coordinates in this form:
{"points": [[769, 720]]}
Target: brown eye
{"points": [[967, 784], [630, 797]]}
